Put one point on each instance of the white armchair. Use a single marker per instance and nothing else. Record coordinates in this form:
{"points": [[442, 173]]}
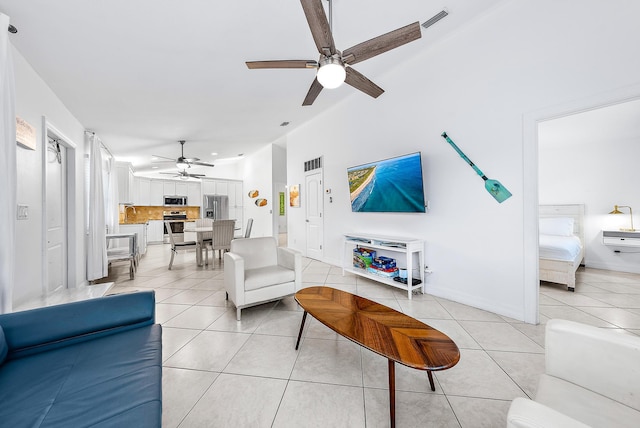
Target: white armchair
{"points": [[592, 379], [257, 271]]}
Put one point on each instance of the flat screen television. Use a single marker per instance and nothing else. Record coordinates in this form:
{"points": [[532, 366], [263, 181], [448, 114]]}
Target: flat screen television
{"points": [[389, 185]]}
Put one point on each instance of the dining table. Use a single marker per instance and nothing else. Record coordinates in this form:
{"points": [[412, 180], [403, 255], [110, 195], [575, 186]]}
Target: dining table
{"points": [[201, 234]]}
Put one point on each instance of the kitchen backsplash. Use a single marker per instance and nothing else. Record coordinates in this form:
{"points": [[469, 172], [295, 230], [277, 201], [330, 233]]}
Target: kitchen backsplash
{"points": [[145, 213]]}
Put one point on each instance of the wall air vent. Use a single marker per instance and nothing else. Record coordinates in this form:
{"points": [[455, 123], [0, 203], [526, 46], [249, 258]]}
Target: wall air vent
{"points": [[313, 164], [435, 18]]}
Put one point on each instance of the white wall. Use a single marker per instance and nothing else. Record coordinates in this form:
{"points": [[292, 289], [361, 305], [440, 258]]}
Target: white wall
{"points": [[35, 99], [257, 175], [477, 85], [591, 158], [265, 171], [279, 181]]}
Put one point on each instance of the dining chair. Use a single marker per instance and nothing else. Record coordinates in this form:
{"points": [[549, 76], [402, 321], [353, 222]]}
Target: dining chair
{"points": [[206, 236], [129, 253], [176, 246], [247, 231], [222, 236]]}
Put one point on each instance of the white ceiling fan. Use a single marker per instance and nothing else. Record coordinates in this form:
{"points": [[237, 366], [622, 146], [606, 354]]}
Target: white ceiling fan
{"points": [[182, 162], [183, 174]]}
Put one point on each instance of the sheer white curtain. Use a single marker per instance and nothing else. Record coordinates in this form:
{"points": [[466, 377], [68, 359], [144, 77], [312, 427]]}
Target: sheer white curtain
{"points": [[111, 196], [8, 177], [97, 265]]}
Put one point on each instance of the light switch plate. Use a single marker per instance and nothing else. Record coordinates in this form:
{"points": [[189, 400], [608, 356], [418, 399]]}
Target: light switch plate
{"points": [[23, 212]]}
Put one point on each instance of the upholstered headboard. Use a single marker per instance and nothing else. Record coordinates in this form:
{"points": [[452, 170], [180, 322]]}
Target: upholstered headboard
{"points": [[574, 211]]}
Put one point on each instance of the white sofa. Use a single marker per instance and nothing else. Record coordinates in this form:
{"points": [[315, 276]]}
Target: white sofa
{"points": [[591, 379], [256, 271]]}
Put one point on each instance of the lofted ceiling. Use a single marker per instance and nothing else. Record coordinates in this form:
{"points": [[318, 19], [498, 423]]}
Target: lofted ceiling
{"points": [[144, 74], [613, 122]]}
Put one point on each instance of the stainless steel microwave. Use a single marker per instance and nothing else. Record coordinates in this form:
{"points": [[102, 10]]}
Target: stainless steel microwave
{"points": [[175, 201]]}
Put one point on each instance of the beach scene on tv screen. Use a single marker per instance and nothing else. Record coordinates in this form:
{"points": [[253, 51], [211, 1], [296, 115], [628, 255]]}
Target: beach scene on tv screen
{"points": [[390, 185]]}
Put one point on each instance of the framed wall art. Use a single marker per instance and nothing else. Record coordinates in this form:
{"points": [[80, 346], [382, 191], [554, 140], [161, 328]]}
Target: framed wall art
{"points": [[294, 195]]}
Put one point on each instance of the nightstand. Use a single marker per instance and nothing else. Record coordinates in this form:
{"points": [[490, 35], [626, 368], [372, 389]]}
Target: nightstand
{"points": [[622, 241]]}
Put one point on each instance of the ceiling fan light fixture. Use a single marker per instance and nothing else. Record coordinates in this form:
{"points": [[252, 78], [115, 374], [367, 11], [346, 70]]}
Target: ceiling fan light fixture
{"points": [[182, 165], [331, 73]]}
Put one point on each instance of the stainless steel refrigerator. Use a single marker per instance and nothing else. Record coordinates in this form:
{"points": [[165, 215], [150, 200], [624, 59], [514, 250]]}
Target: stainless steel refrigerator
{"points": [[215, 207]]}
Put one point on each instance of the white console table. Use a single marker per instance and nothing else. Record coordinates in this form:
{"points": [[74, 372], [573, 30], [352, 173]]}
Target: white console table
{"points": [[406, 246], [622, 241]]}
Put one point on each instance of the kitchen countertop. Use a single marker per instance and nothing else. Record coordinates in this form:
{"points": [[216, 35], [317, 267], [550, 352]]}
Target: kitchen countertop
{"points": [[147, 221]]}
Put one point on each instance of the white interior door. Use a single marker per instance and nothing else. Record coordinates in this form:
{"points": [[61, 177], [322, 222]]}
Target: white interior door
{"points": [[314, 221], [56, 215]]}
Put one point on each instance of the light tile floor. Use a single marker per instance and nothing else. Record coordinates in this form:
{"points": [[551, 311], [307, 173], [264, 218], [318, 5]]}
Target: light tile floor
{"points": [[222, 373]]}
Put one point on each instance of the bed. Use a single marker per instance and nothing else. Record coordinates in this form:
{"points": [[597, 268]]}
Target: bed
{"points": [[561, 243]]}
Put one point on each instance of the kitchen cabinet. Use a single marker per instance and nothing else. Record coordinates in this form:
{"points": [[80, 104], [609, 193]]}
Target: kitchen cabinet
{"points": [[155, 233], [142, 191], [234, 195], [169, 188], [152, 192], [222, 187], [140, 230], [181, 189], [124, 173], [208, 186], [234, 190], [194, 195], [219, 187], [236, 201], [156, 193]]}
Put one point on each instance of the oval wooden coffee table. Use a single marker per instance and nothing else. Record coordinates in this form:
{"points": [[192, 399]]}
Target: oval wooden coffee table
{"points": [[383, 330]]}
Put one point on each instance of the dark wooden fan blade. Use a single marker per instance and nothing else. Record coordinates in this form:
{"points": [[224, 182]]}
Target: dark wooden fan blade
{"points": [[358, 81], [313, 93], [319, 26], [196, 175], [286, 63], [381, 44], [202, 164]]}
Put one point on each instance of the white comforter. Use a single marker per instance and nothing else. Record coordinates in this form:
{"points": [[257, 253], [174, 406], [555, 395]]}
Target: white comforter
{"points": [[560, 247]]}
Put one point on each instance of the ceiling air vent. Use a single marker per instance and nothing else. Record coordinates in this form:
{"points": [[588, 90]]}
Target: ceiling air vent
{"points": [[435, 18], [312, 164]]}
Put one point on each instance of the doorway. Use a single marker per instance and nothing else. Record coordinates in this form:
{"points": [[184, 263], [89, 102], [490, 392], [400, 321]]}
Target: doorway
{"points": [[531, 122], [590, 158], [59, 202], [314, 222], [280, 218]]}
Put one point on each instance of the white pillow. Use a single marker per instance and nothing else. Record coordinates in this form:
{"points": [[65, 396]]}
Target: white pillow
{"points": [[560, 226]]}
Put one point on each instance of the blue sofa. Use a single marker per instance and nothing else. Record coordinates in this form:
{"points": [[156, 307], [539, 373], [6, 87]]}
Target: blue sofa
{"points": [[94, 363]]}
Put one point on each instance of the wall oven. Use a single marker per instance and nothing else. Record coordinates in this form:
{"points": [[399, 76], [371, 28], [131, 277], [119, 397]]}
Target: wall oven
{"points": [[178, 201], [177, 219]]}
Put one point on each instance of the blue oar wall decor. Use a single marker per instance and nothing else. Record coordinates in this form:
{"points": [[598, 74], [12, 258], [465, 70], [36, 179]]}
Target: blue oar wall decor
{"points": [[494, 187]]}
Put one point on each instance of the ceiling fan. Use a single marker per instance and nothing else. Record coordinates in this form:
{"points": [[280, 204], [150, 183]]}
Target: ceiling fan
{"points": [[183, 163], [335, 67], [183, 174]]}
